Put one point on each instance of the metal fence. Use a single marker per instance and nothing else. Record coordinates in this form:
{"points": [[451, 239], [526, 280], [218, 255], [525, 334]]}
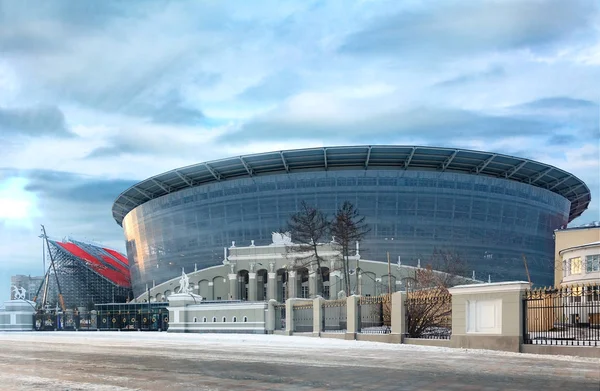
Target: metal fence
{"points": [[429, 314], [303, 317], [375, 314], [333, 314], [144, 320], [562, 316], [280, 316], [64, 321]]}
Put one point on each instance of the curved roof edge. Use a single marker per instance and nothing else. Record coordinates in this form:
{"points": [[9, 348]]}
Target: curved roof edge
{"points": [[364, 157]]}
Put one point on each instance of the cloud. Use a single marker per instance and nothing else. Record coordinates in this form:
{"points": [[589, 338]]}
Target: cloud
{"points": [[492, 73], [155, 140], [439, 124], [459, 28], [35, 121], [173, 112], [273, 87]]}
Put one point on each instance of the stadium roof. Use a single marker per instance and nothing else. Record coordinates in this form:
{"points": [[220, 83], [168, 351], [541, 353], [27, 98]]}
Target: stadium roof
{"points": [[362, 157]]}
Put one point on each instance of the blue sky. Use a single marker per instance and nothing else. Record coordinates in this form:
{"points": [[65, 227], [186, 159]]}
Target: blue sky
{"points": [[95, 96]]}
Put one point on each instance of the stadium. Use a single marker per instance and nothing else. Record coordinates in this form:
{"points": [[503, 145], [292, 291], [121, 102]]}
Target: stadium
{"points": [[87, 274], [490, 208]]}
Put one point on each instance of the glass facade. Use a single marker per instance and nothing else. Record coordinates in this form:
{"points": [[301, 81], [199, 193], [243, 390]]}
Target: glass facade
{"points": [[490, 222]]}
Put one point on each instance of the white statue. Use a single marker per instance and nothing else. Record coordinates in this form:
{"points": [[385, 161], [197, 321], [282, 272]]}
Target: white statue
{"points": [[184, 283], [271, 267], [252, 266], [284, 238], [18, 293]]}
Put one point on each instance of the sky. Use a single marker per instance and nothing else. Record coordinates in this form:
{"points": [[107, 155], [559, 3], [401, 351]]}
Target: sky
{"points": [[97, 95]]}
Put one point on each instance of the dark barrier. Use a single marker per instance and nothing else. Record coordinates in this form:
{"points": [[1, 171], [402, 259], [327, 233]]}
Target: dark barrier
{"points": [[562, 316]]}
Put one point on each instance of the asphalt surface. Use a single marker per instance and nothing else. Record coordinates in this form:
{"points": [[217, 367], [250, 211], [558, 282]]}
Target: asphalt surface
{"points": [[161, 361]]}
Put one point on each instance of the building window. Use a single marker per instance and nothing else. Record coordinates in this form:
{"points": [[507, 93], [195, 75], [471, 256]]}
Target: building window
{"points": [[592, 263], [214, 319], [575, 265], [204, 320], [245, 319], [305, 292], [195, 320], [224, 320], [234, 319]]}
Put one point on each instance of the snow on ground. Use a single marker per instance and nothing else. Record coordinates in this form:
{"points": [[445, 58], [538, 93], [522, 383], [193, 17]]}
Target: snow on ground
{"points": [[271, 342]]}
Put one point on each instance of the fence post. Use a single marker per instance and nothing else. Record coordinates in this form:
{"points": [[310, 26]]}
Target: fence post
{"points": [[352, 316], [399, 315], [317, 315], [289, 316], [270, 325]]}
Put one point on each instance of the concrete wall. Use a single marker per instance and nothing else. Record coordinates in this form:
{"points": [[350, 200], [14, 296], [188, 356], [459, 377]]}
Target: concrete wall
{"points": [[187, 317], [578, 351], [488, 316], [17, 316]]}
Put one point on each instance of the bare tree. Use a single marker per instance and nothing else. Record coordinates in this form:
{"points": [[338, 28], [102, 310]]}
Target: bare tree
{"points": [[348, 227], [308, 227], [429, 303]]}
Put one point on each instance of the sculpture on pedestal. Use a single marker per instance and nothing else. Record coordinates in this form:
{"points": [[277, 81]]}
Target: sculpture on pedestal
{"points": [[18, 293], [184, 283]]}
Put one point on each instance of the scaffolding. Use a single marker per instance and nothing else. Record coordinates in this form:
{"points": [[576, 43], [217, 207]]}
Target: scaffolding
{"points": [[85, 274]]}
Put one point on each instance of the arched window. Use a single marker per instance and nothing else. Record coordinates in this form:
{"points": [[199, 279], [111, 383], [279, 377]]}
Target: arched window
{"points": [[234, 319], [224, 319], [245, 319], [195, 319], [214, 319], [204, 319]]}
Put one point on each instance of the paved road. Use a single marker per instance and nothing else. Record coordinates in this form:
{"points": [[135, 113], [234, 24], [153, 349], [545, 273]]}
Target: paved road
{"points": [[161, 361]]}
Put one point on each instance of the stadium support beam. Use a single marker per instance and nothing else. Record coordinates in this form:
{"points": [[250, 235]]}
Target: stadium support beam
{"points": [[325, 157], [483, 165], [130, 199], [161, 185], [540, 175], [407, 162], [515, 169], [578, 197], [185, 178], [213, 172], [368, 157], [572, 189], [285, 165], [559, 182], [144, 193], [247, 167], [449, 160]]}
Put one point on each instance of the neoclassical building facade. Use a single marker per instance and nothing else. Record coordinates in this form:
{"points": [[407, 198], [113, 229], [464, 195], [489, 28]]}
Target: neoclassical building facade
{"points": [[261, 273]]}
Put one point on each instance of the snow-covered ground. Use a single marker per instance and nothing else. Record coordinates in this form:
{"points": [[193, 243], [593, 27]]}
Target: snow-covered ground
{"points": [[236, 341], [156, 361]]}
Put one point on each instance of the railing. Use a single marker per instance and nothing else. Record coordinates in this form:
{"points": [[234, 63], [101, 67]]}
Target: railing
{"points": [[375, 314], [333, 314], [280, 316], [562, 316], [303, 317], [144, 320], [50, 321], [429, 314]]}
